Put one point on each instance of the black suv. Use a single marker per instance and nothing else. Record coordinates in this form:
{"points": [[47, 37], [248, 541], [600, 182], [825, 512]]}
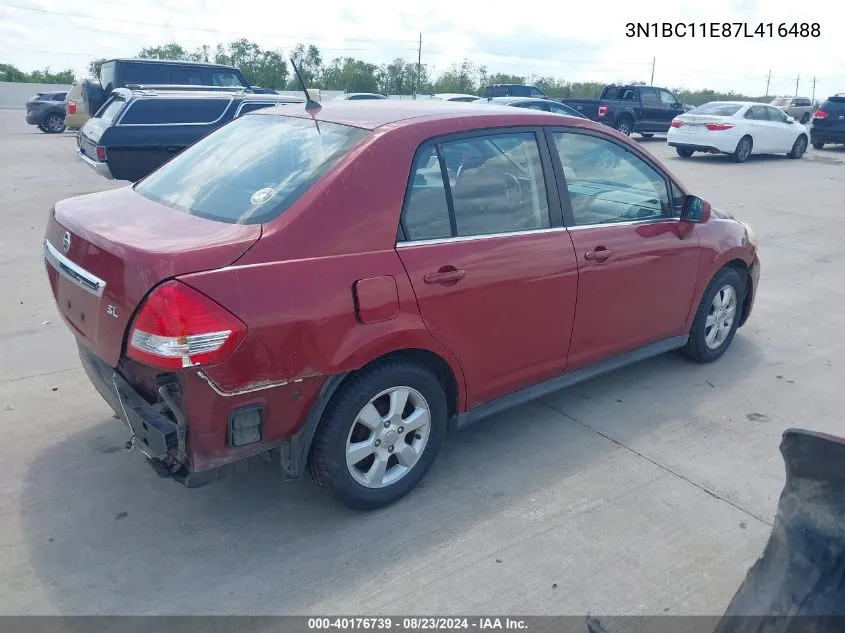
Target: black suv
{"points": [[47, 111], [138, 130], [126, 73], [829, 122]]}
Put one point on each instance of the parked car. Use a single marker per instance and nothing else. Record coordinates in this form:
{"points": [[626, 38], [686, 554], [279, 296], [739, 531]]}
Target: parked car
{"points": [[512, 90], [139, 130], [455, 96], [336, 288], [829, 122], [125, 73], [358, 96], [737, 128], [544, 105], [799, 108], [47, 111], [76, 115], [629, 108]]}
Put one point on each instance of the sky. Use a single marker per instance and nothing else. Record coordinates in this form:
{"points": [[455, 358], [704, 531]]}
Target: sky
{"points": [[576, 40]]}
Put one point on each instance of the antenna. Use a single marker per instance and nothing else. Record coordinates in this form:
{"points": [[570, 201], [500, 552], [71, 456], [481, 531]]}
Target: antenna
{"points": [[310, 104]]}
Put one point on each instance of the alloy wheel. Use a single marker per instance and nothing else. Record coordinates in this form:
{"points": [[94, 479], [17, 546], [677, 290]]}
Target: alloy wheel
{"points": [[388, 437], [720, 317]]}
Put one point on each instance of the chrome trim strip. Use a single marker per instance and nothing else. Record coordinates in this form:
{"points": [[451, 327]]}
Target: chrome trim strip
{"points": [[243, 390], [99, 167], [626, 223], [74, 273], [488, 236]]}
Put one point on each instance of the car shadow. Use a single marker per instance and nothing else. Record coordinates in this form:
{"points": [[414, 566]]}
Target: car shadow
{"points": [[725, 158], [104, 535]]}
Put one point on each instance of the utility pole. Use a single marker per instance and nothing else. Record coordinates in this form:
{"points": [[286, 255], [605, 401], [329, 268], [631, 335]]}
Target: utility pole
{"points": [[813, 100], [797, 79], [767, 83], [653, 61], [419, 68]]}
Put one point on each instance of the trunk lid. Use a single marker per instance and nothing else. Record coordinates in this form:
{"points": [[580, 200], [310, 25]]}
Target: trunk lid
{"points": [[104, 252], [698, 122]]}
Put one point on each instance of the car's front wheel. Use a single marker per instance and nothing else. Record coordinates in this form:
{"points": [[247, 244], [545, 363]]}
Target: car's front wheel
{"points": [[380, 434], [54, 124], [798, 148], [717, 318]]}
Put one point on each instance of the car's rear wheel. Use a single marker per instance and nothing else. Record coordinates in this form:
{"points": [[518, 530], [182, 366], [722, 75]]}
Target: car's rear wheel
{"points": [[625, 125], [684, 152], [743, 150], [380, 434], [647, 135], [805, 117], [798, 148], [818, 145], [717, 317], [54, 124]]}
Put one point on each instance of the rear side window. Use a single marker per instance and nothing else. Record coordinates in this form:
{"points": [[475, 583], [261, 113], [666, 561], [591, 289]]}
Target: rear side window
{"points": [[251, 170], [186, 77], [174, 111], [495, 185], [110, 111], [107, 78], [144, 74]]}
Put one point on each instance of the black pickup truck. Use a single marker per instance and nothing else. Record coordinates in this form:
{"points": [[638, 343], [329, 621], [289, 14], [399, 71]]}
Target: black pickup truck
{"points": [[629, 108]]}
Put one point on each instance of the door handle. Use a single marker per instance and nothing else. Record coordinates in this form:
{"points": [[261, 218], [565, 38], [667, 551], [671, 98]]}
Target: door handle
{"points": [[452, 275], [599, 255]]}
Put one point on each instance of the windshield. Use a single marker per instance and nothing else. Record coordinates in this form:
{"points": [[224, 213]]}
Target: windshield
{"points": [[717, 109], [251, 170]]}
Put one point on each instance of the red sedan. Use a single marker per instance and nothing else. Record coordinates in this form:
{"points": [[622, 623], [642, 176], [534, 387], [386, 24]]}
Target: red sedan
{"points": [[335, 290]]}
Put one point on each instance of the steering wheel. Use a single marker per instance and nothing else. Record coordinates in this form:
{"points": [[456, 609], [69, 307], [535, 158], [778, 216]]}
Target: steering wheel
{"points": [[512, 187]]}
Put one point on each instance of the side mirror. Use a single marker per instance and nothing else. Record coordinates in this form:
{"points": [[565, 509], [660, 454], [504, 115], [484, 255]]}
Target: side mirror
{"points": [[790, 119], [695, 210]]}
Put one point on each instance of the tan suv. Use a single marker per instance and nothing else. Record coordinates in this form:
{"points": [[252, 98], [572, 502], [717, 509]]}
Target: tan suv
{"points": [[799, 108], [77, 115]]}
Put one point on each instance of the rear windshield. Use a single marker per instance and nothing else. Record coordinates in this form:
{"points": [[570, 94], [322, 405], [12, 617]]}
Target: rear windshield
{"points": [[109, 112], [781, 102], [717, 109], [834, 104], [175, 111], [251, 170]]}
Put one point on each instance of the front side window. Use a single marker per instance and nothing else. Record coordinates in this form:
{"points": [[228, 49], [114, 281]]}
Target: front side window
{"points": [[495, 185], [608, 183], [776, 115], [667, 98], [225, 79], [251, 170]]}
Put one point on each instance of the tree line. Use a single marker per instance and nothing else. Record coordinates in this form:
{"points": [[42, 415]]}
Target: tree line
{"points": [[269, 68]]}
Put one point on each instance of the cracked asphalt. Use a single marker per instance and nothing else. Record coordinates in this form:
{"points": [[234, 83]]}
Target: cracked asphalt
{"points": [[647, 491]]}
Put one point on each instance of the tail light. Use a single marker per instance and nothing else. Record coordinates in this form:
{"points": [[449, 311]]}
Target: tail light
{"points": [[602, 111], [71, 107], [101, 153], [179, 327], [718, 127], [820, 114], [675, 123]]}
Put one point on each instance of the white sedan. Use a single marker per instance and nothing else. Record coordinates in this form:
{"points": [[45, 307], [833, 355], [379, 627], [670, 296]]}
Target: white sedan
{"points": [[738, 128]]}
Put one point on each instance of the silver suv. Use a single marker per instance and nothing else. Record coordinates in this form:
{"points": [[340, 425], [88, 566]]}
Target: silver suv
{"points": [[799, 108]]}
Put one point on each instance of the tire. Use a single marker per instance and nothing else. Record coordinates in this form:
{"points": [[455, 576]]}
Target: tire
{"points": [[683, 152], [805, 117], [798, 147], [648, 135], [93, 95], [625, 125], [818, 145], [53, 124], [743, 150], [341, 426], [703, 346]]}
